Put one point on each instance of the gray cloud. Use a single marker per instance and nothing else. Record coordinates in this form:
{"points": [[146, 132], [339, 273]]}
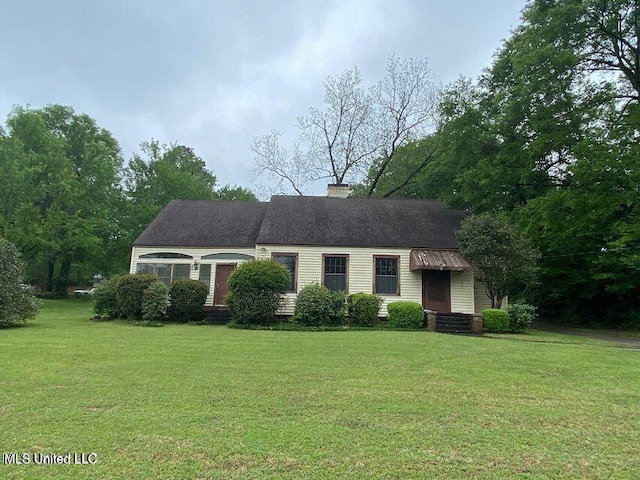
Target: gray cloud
{"points": [[212, 74]]}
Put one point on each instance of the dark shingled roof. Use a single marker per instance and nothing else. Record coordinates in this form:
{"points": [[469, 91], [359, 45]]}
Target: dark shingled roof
{"points": [[365, 222], [199, 223], [294, 220]]}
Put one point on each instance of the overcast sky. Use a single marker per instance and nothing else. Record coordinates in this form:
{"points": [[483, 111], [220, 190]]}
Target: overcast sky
{"points": [[213, 74]]}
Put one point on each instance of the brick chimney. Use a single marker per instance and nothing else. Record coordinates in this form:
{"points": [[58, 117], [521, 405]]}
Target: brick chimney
{"points": [[338, 190]]}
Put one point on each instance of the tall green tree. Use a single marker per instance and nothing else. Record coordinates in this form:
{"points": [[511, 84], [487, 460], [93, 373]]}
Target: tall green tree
{"points": [[60, 191], [511, 136], [590, 235], [406, 172], [586, 226], [503, 257], [602, 36], [161, 173]]}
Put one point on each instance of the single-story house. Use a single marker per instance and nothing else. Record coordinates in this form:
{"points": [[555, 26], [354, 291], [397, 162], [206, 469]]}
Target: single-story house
{"points": [[398, 249]]}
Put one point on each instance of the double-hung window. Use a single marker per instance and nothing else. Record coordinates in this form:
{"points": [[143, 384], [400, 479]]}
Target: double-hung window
{"points": [[335, 268], [290, 261], [386, 275]]}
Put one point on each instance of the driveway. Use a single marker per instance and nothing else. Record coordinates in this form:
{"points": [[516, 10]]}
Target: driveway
{"points": [[626, 339]]}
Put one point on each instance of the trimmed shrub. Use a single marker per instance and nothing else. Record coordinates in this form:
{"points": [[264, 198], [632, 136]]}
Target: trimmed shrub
{"points": [[338, 308], [129, 292], [521, 317], [495, 320], [155, 300], [17, 300], [258, 308], [187, 300], [405, 315], [256, 290], [317, 306], [105, 301], [363, 309]]}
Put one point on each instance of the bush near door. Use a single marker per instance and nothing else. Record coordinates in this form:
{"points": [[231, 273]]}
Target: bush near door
{"points": [[256, 290], [187, 300], [405, 315]]}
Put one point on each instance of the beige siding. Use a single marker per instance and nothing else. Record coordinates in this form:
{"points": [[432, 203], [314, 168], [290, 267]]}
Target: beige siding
{"points": [[482, 300], [309, 269], [360, 271], [196, 253], [462, 292]]}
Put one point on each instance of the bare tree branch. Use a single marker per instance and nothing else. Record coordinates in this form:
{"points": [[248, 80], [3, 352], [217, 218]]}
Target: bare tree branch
{"points": [[408, 99], [356, 128], [277, 164]]}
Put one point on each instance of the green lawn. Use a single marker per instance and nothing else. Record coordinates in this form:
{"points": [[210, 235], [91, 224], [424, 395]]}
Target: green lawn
{"points": [[212, 402]]}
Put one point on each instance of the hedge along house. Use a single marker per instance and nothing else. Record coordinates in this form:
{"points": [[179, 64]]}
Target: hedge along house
{"points": [[398, 249]]}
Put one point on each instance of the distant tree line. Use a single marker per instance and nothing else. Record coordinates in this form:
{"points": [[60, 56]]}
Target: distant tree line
{"points": [[73, 207]]}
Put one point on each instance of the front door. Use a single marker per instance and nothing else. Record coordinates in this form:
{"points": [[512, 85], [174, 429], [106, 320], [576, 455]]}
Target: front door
{"points": [[436, 290], [221, 287]]}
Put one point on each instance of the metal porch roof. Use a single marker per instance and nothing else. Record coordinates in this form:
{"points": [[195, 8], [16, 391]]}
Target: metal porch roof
{"points": [[438, 260]]}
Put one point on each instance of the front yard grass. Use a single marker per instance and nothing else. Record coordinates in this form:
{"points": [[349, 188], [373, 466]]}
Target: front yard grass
{"points": [[188, 401]]}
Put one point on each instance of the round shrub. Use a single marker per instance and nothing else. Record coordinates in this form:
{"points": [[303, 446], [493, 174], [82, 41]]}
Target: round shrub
{"points": [[129, 292], [187, 300], [405, 315], [17, 300], [318, 306], [105, 301], [256, 290], [155, 300], [495, 320], [521, 317], [363, 309]]}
